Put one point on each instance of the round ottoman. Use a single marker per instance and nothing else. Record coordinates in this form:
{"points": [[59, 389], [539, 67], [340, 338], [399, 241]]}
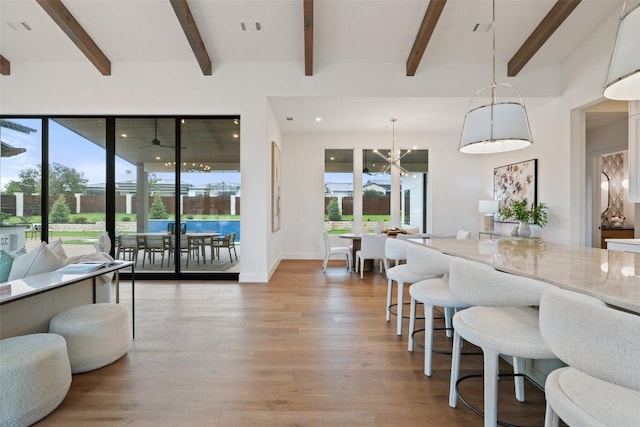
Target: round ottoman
{"points": [[34, 376], [96, 334]]}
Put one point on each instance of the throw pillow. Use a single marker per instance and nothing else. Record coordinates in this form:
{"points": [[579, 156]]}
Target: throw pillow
{"points": [[56, 248], [6, 261], [39, 260]]}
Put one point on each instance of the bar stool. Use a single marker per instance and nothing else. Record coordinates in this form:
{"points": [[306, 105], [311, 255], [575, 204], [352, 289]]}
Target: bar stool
{"points": [[417, 268], [432, 293], [501, 321], [601, 385]]}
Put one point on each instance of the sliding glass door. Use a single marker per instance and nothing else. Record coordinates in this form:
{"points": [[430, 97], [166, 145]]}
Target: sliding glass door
{"points": [[210, 194]]}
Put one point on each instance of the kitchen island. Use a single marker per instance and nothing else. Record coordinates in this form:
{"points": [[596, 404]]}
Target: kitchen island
{"points": [[610, 275]]}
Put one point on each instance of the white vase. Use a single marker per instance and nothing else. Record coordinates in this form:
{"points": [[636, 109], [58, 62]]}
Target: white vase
{"points": [[514, 230], [524, 230]]}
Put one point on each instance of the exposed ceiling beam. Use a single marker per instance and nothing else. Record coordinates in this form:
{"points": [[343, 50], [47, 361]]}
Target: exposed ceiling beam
{"points": [[308, 37], [65, 20], [5, 66], [554, 18], [431, 17], [183, 13]]}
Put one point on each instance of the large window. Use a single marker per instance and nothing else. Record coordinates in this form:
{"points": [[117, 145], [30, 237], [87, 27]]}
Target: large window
{"points": [[20, 183], [338, 190], [166, 189], [376, 191], [77, 182], [413, 188]]}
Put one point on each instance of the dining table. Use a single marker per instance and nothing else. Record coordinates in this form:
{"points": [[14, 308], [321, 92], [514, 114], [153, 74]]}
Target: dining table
{"points": [[202, 238]]}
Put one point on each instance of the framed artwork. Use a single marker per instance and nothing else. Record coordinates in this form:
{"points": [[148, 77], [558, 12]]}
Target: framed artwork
{"points": [[516, 181], [276, 179]]}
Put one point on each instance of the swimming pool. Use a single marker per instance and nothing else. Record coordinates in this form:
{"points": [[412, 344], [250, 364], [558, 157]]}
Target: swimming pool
{"points": [[223, 227]]}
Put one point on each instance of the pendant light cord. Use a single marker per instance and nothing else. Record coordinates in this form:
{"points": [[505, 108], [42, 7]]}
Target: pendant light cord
{"points": [[493, 53]]}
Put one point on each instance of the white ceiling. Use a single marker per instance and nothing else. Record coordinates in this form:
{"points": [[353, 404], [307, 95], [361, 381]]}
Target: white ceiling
{"points": [[345, 31]]}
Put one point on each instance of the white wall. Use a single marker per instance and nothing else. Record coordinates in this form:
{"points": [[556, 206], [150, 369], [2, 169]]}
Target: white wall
{"points": [[457, 180]]}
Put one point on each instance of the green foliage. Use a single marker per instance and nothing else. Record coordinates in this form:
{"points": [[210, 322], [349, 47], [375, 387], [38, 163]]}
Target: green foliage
{"points": [[125, 219], [539, 214], [334, 211], [60, 212], [157, 209], [519, 210], [372, 193], [29, 182], [66, 180], [79, 220], [62, 180], [4, 216]]}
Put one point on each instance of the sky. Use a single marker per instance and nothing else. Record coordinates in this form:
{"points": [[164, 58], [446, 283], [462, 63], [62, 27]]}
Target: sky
{"points": [[72, 150]]}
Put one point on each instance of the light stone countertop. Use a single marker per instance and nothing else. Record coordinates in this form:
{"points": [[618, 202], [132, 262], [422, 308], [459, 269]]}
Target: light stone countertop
{"points": [[612, 276]]}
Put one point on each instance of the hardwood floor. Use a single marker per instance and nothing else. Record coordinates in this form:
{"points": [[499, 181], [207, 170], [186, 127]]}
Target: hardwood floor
{"points": [[306, 349]]}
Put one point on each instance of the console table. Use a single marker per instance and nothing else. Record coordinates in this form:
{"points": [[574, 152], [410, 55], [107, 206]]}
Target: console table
{"points": [[32, 301]]}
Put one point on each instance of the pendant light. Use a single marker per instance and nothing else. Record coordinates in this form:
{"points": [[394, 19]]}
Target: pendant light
{"points": [[495, 126], [623, 76]]}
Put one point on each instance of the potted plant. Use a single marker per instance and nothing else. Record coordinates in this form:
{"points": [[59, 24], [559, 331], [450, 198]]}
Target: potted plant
{"points": [[519, 210]]}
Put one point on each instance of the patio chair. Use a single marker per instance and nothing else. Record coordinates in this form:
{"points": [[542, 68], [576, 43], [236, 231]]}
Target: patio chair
{"points": [[156, 245], [128, 244], [228, 242]]}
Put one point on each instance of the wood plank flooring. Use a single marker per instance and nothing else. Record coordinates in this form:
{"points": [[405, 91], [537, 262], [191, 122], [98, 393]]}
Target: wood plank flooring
{"points": [[306, 349]]}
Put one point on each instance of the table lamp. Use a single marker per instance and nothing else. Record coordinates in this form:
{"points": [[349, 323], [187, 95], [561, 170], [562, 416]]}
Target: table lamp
{"points": [[488, 208]]}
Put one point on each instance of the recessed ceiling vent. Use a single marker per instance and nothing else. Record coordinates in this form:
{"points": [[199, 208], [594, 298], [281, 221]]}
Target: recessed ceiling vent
{"points": [[19, 26], [251, 26], [482, 27]]}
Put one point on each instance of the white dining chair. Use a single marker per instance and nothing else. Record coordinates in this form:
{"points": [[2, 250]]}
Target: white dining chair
{"points": [[329, 251], [371, 247]]}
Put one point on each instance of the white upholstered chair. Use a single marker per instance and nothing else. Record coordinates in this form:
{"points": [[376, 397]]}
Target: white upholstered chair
{"points": [[503, 320], [432, 293], [601, 345], [416, 268], [371, 247], [329, 251]]}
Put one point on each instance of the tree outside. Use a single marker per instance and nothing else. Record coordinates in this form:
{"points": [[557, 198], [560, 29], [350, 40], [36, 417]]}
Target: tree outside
{"points": [[62, 180], [157, 209], [334, 211], [60, 212]]}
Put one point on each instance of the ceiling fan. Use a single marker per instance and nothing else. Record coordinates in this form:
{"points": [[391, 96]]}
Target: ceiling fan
{"points": [[155, 142]]}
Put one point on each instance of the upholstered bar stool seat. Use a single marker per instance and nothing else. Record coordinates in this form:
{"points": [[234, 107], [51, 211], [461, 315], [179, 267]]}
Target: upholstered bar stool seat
{"points": [[511, 331], [601, 345], [96, 334], [582, 400], [34, 377]]}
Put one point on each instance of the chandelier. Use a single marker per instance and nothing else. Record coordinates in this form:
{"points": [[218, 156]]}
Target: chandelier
{"points": [[393, 158]]}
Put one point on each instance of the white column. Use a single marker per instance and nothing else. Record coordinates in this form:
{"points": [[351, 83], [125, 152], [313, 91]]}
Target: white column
{"points": [[19, 204], [357, 190], [78, 197], [128, 202]]}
